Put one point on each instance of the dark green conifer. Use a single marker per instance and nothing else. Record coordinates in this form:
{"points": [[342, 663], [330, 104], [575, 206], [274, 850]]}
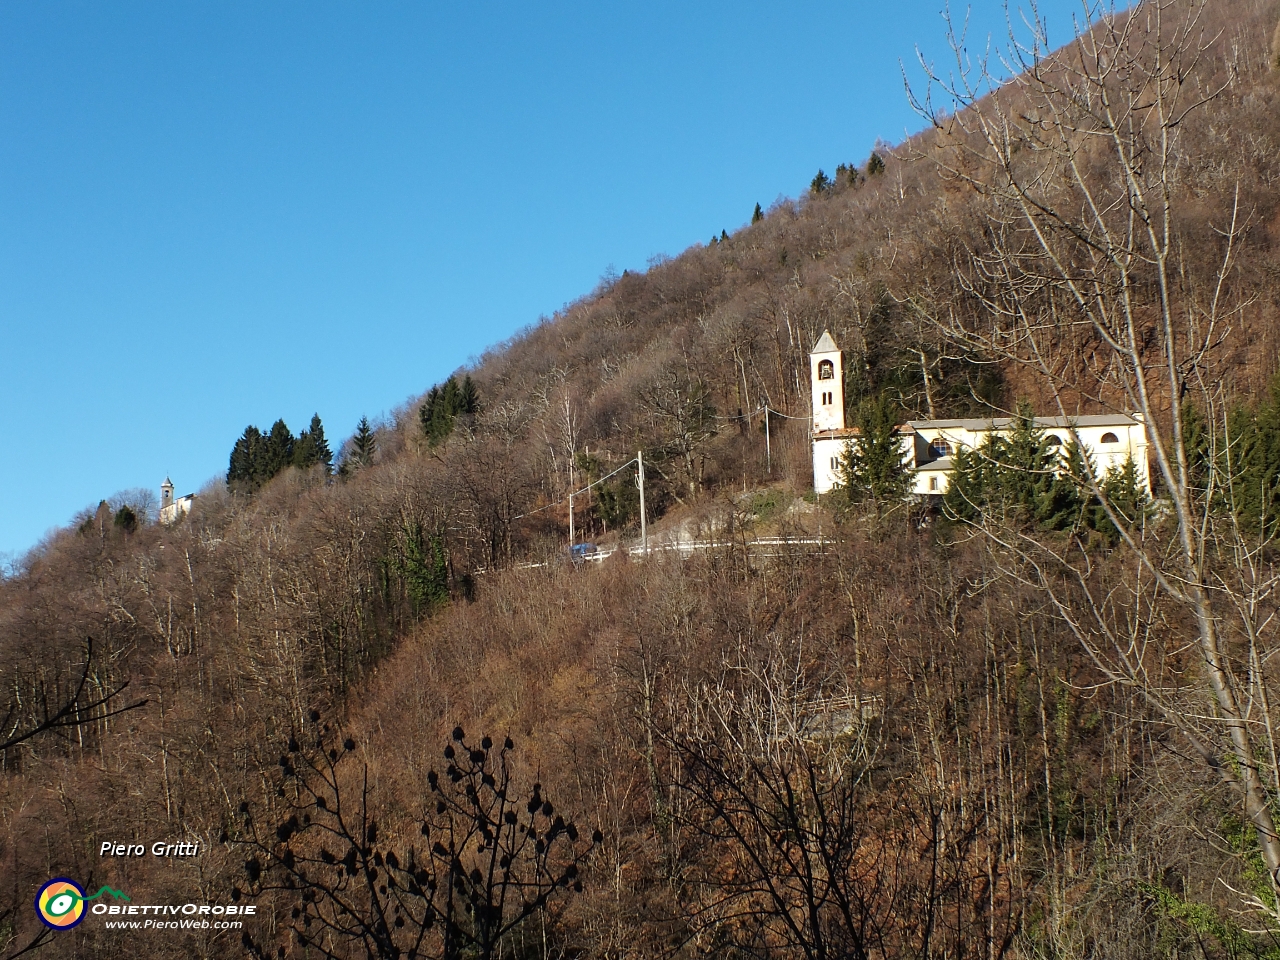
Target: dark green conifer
{"points": [[758, 215], [277, 452], [1249, 465], [1195, 435], [1026, 473], [444, 404], [469, 397], [1023, 476], [966, 495], [872, 468], [819, 184], [245, 456], [312, 448], [423, 565], [1125, 496], [875, 165], [364, 444], [125, 519]]}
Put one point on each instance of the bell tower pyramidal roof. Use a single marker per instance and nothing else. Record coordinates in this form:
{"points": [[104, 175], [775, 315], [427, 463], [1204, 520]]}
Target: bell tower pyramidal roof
{"points": [[825, 344]]}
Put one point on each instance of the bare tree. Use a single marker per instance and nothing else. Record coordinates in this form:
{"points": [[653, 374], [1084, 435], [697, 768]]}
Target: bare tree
{"points": [[1082, 279], [491, 857], [682, 406], [76, 708], [785, 857]]}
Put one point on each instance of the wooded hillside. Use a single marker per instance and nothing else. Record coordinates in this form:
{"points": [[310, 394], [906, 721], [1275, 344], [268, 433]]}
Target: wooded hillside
{"points": [[901, 732]]}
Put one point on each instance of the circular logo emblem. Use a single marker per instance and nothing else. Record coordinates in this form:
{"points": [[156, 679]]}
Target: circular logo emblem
{"points": [[60, 903]]}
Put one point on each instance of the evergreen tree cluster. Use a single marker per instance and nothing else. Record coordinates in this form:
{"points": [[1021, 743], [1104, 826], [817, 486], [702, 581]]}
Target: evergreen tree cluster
{"points": [[1030, 478], [847, 175], [258, 456], [1240, 471], [1024, 475], [444, 404]]}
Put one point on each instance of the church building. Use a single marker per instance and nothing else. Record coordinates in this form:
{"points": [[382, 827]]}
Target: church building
{"points": [[928, 445], [171, 509]]}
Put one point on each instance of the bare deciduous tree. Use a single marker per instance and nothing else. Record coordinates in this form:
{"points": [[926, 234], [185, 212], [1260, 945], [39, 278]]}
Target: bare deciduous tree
{"points": [[1083, 277], [490, 859]]}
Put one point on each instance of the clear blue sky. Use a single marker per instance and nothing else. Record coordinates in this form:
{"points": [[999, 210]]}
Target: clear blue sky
{"points": [[217, 214]]}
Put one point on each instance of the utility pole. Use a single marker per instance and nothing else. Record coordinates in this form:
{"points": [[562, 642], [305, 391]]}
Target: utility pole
{"points": [[768, 447], [644, 537]]}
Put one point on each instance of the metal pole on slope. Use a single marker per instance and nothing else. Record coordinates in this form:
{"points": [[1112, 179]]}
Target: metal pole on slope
{"points": [[644, 537], [571, 537], [768, 447]]}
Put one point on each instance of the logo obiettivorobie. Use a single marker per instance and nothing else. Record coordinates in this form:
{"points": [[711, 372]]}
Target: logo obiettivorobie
{"points": [[60, 902]]}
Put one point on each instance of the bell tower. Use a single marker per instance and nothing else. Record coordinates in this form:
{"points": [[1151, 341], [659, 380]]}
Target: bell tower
{"points": [[166, 493], [826, 378]]}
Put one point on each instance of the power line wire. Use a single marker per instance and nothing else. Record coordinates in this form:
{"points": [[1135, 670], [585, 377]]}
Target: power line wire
{"points": [[566, 499]]}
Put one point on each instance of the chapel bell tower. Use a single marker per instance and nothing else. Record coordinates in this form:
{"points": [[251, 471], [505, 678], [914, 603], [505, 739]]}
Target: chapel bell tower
{"points": [[166, 493], [826, 378]]}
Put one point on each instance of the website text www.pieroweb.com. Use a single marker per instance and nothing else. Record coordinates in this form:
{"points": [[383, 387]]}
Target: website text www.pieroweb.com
{"points": [[62, 903]]}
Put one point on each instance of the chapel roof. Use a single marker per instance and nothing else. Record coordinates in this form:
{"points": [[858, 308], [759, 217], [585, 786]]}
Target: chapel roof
{"points": [[1004, 423]]}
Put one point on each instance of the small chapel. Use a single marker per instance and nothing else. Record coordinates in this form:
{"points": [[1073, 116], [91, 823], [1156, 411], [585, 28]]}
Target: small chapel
{"points": [[928, 446], [172, 508]]}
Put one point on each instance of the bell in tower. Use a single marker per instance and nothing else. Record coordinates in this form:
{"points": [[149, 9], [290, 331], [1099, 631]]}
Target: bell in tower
{"points": [[827, 379]]}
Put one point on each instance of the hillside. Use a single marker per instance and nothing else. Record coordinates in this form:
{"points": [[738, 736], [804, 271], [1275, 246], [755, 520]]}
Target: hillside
{"points": [[907, 740]]}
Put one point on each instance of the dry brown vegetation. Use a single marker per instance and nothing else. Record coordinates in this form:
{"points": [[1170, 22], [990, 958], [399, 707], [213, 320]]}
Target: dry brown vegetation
{"points": [[893, 744]]}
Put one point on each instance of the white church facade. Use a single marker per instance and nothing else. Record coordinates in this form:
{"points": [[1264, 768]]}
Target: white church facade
{"points": [[928, 445], [170, 508]]}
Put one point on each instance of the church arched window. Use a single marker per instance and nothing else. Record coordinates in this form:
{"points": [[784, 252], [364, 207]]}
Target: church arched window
{"points": [[826, 370], [1110, 438]]}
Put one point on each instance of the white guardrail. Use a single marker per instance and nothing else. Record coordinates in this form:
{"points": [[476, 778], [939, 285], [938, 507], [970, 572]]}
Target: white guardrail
{"points": [[675, 546]]}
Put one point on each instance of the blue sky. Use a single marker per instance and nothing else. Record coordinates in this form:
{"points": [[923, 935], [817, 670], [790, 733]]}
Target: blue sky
{"points": [[217, 214]]}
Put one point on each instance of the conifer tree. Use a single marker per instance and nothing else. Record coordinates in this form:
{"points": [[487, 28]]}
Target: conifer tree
{"points": [[872, 468], [424, 566], [966, 490], [757, 215], [1127, 499], [469, 398], [125, 519], [364, 444], [875, 165], [277, 452], [244, 456], [819, 184], [323, 454], [1251, 459], [1195, 434], [1023, 475], [311, 447], [1026, 474]]}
